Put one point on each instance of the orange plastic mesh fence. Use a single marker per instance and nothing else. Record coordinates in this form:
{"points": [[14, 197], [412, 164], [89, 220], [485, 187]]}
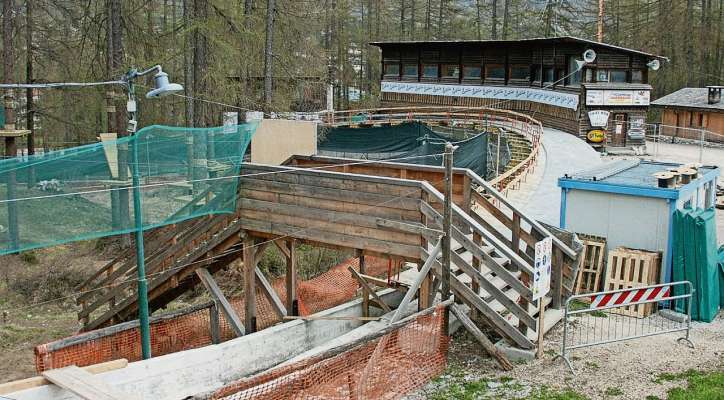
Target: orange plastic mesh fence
{"points": [[387, 368], [191, 330]]}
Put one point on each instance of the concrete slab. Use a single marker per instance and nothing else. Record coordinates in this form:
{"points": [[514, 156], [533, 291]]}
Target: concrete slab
{"points": [[513, 353]]}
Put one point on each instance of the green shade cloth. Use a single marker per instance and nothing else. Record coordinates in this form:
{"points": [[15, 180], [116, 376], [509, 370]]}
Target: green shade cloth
{"points": [[85, 192], [410, 139], [721, 276], [695, 260], [2, 116]]}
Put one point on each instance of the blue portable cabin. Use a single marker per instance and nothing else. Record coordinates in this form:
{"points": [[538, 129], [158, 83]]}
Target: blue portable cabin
{"points": [[623, 202]]}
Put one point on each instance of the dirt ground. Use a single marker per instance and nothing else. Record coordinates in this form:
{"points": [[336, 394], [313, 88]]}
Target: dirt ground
{"points": [[632, 366]]}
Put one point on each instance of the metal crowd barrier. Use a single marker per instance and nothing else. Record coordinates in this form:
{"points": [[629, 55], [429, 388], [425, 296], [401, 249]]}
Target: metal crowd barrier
{"points": [[605, 317]]}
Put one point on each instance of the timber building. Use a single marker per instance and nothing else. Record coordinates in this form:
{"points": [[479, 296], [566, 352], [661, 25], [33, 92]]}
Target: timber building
{"points": [[539, 77], [689, 111]]}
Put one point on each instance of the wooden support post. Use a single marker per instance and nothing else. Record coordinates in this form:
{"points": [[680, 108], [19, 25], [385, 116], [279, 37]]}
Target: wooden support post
{"points": [[447, 229], [418, 281], [291, 278], [249, 285], [515, 233], [427, 295], [221, 301], [270, 293], [367, 290], [481, 338], [84, 384], [541, 327], [214, 326], [558, 264]]}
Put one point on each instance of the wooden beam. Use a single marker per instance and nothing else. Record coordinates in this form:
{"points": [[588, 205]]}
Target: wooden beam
{"points": [[291, 277], [249, 285], [84, 384], [270, 293], [221, 301], [259, 252], [418, 281], [383, 283], [481, 338], [366, 287], [36, 381], [281, 245], [214, 327]]}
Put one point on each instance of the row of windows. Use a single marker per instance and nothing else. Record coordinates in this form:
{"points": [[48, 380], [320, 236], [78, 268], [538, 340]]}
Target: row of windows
{"points": [[515, 71]]}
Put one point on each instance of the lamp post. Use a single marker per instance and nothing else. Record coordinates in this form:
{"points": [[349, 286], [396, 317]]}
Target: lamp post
{"points": [[162, 87]]}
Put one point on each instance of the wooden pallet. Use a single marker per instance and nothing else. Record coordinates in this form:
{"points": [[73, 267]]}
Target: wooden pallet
{"points": [[592, 259], [628, 268]]}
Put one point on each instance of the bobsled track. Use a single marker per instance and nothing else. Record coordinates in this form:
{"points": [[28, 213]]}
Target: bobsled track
{"points": [[388, 214]]}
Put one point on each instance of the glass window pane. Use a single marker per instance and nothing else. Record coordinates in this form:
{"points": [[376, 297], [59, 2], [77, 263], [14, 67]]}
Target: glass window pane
{"points": [[519, 72], [429, 71], [409, 70], [618, 75], [471, 71], [575, 78], [494, 71], [450, 71], [637, 76], [602, 75], [537, 73], [392, 69], [548, 74]]}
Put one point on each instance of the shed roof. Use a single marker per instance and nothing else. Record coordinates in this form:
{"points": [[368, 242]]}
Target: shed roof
{"points": [[548, 40], [689, 98]]}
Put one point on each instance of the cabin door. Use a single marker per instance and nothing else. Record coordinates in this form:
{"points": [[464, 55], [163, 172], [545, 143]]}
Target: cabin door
{"points": [[620, 125]]}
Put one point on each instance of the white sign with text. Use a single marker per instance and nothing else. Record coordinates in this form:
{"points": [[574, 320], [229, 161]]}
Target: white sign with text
{"points": [[542, 268]]}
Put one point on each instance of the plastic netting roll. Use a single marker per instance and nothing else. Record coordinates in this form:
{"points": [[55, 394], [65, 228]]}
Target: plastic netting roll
{"points": [[87, 191]]}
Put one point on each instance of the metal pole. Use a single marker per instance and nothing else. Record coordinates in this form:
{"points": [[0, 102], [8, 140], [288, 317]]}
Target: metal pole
{"points": [[140, 256], [447, 229]]}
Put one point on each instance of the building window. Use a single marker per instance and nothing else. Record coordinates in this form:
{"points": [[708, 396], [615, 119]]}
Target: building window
{"points": [[536, 73], [589, 75], [392, 69], [494, 71], [618, 75], [575, 78], [429, 71], [409, 70], [697, 120], [450, 70], [637, 76], [520, 71], [471, 72], [549, 74], [601, 75]]}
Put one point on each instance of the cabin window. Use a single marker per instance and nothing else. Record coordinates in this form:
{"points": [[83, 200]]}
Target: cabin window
{"points": [[575, 78], [429, 71], [494, 71], [472, 72], [589, 75], [392, 69], [409, 70], [520, 71], [549, 74], [601, 75], [450, 70], [637, 76], [536, 73], [618, 75]]}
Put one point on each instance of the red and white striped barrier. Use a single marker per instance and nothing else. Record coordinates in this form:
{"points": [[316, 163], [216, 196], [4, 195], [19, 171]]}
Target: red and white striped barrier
{"points": [[633, 295]]}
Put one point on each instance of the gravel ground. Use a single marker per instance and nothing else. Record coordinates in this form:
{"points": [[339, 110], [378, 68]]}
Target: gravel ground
{"points": [[631, 366]]}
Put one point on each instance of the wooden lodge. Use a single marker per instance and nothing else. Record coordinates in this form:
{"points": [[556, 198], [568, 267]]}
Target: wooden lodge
{"points": [[540, 77], [691, 113]]}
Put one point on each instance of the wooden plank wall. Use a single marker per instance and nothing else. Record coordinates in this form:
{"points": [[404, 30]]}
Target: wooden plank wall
{"points": [[331, 209]]}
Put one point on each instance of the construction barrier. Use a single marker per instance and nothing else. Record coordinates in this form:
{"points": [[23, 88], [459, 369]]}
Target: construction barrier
{"points": [[386, 368], [613, 316], [191, 328]]}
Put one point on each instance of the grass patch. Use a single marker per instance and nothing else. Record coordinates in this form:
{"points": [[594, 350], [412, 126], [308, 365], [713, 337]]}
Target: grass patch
{"points": [[576, 305], [701, 386], [613, 391]]}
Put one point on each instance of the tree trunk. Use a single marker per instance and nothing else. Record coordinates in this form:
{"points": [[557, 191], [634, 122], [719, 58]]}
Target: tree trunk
{"points": [[200, 64], [428, 13], [690, 42], [268, 54], [479, 20], [402, 19], [506, 17], [440, 19], [29, 103], [412, 20], [188, 71], [494, 23]]}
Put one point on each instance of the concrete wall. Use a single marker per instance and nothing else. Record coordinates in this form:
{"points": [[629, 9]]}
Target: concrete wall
{"points": [[277, 139], [180, 375], [631, 221]]}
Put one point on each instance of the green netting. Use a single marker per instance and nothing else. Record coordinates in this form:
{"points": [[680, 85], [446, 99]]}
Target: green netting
{"points": [[695, 260], [410, 139], [87, 192]]}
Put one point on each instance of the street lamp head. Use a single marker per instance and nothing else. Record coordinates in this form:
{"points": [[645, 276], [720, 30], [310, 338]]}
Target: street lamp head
{"points": [[162, 87]]}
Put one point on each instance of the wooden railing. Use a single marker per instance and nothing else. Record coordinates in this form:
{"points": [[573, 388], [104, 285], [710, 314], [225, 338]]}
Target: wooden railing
{"points": [[479, 117]]}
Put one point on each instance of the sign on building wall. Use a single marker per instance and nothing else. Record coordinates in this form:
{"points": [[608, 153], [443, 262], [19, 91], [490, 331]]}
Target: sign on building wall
{"points": [[542, 268], [618, 97], [598, 118], [566, 100]]}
